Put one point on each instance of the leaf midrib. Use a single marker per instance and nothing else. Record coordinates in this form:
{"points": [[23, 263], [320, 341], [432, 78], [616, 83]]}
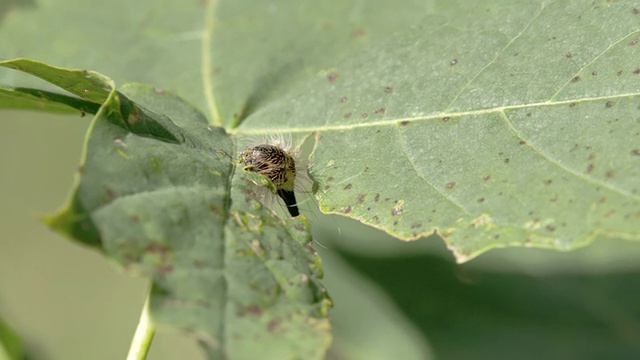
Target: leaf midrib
{"points": [[438, 116]]}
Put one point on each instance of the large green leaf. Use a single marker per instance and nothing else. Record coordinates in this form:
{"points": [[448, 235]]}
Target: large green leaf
{"points": [[496, 133], [496, 124], [157, 192]]}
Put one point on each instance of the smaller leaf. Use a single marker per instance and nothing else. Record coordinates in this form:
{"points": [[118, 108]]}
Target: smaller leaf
{"points": [[87, 85], [158, 191]]}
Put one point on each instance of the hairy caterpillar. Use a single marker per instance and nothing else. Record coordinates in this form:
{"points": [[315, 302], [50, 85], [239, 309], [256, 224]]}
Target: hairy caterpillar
{"points": [[274, 160]]}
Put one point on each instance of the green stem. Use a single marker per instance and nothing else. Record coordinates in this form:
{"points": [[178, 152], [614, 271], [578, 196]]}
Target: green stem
{"points": [[143, 336]]}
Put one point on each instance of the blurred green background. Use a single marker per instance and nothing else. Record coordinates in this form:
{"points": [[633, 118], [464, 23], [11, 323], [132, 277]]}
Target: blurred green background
{"points": [[392, 299]]}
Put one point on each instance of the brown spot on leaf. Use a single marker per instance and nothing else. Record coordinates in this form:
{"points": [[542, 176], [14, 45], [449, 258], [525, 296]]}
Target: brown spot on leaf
{"points": [[343, 99], [332, 76], [636, 71], [550, 228], [156, 247], [158, 91], [635, 152], [450, 185], [347, 187], [507, 160], [589, 169], [216, 210], [251, 310], [361, 198], [359, 32], [486, 177], [347, 115], [480, 200], [608, 104], [388, 90], [634, 42], [164, 268], [376, 198], [548, 182], [346, 209], [619, 72], [380, 111], [453, 62], [575, 79], [445, 119], [110, 194], [594, 73], [610, 174], [364, 115], [134, 117], [404, 123]]}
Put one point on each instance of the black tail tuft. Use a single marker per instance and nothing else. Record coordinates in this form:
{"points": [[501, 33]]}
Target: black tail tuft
{"points": [[289, 199]]}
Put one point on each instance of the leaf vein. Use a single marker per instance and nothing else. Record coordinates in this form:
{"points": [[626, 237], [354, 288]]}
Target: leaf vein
{"points": [[563, 167], [498, 54], [206, 70], [419, 175], [595, 58]]}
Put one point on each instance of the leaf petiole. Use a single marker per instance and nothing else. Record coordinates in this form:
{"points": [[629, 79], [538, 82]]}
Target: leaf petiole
{"points": [[143, 336]]}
